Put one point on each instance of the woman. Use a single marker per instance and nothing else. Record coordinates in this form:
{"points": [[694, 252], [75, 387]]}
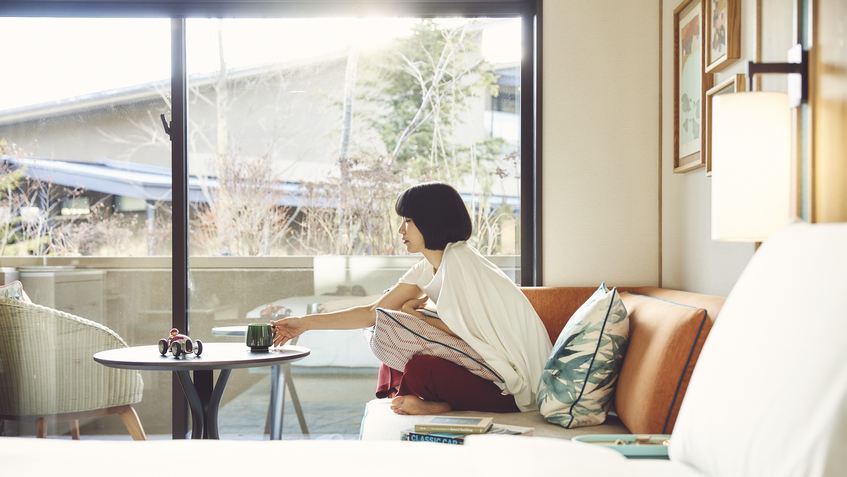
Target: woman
{"points": [[476, 301]]}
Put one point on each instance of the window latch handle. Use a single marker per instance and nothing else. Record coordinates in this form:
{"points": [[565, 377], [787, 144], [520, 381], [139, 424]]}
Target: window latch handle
{"points": [[166, 125]]}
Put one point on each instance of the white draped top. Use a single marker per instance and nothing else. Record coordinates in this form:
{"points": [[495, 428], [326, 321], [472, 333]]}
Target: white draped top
{"points": [[482, 306]]}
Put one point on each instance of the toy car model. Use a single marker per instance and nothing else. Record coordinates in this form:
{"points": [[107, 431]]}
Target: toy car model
{"points": [[179, 344], [275, 312]]}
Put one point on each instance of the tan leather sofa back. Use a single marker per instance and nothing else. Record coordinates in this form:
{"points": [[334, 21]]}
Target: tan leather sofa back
{"points": [[667, 332]]}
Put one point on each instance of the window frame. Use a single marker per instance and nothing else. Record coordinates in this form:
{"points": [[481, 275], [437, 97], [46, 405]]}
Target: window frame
{"points": [[178, 11]]}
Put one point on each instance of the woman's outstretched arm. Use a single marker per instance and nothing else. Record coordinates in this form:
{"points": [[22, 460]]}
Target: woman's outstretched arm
{"points": [[348, 319]]}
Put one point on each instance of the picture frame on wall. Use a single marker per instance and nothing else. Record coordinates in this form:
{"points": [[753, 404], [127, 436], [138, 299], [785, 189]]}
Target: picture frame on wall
{"points": [[734, 84], [688, 85], [723, 34]]}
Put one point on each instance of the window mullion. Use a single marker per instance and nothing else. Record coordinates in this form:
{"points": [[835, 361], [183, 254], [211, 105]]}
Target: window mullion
{"points": [[531, 262], [179, 184]]}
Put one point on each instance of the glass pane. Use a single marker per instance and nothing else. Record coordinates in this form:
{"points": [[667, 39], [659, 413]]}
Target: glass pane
{"points": [[299, 143], [85, 216]]}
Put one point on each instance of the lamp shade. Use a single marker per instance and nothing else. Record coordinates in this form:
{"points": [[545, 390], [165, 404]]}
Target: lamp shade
{"points": [[751, 145]]}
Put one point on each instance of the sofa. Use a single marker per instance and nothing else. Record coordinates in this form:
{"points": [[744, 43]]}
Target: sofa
{"points": [[768, 397], [667, 332]]}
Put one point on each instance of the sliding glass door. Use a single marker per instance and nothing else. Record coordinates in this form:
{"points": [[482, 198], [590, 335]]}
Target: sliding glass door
{"points": [[301, 134], [85, 167], [302, 124]]}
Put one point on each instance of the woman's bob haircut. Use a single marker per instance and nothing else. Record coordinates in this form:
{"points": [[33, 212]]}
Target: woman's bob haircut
{"points": [[438, 212]]}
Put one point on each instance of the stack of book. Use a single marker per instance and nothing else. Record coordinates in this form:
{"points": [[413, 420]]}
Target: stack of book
{"points": [[453, 430]]}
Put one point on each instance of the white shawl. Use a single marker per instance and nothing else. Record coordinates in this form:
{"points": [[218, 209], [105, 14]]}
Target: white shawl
{"points": [[481, 305]]}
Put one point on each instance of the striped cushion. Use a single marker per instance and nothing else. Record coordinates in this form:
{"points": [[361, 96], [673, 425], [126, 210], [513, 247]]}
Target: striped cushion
{"points": [[398, 336]]}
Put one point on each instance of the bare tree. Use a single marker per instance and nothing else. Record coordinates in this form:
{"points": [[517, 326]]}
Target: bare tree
{"points": [[247, 218], [368, 202], [35, 202], [100, 232]]}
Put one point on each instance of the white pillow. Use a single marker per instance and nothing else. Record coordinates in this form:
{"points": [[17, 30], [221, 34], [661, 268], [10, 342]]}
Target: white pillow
{"points": [[769, 394]]}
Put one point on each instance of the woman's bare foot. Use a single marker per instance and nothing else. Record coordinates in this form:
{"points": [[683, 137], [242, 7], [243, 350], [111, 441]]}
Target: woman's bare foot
{"points": [[415, 406]]}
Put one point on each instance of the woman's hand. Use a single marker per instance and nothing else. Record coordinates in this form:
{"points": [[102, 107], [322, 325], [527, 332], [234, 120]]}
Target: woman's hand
{"points": [[414, 306], [287, 329]]}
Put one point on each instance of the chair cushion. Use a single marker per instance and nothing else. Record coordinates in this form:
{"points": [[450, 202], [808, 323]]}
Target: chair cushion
{"points": [[579, 379], [14, 290], [398, 336], [769, 394], [664, 345]]}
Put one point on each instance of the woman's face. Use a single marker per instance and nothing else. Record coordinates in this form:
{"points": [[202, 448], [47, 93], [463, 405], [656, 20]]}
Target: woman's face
{"points": [[412, 237]]}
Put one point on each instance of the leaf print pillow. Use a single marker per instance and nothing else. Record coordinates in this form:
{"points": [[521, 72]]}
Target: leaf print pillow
{"points": [[578, 381]]}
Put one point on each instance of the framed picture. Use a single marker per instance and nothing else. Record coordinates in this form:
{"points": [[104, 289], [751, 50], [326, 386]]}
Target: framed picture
{"points": [[723, 34], [735, 84], [688, 85]]}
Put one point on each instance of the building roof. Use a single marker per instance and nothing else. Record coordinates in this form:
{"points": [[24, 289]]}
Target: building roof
{"points": [[146, 182], [123, 178], [147, 91]]}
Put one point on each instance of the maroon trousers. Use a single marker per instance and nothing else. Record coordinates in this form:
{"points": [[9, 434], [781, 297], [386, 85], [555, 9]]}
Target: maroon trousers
{"points": [[438, 380]]}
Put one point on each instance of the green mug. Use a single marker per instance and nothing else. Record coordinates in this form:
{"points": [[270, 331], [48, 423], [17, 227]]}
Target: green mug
{"points": [[260, 337]]}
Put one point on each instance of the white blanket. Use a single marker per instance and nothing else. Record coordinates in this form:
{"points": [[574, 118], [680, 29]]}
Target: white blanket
{"points": [[481, 455], [485, 308]]}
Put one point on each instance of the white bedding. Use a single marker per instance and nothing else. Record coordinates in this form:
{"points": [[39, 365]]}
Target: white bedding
{"points": [[481, 455]]}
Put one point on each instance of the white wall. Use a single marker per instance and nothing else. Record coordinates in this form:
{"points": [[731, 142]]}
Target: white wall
{"points": [[690, 259], [600, 142], [613, 208]]}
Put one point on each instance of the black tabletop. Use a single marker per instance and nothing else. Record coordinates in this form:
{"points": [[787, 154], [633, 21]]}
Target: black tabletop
{"points": [[214, 356]]}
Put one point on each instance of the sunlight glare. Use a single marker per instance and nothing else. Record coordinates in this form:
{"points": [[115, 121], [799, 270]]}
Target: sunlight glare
{"points": [[263, 41], [51, 59], [48, 59]]}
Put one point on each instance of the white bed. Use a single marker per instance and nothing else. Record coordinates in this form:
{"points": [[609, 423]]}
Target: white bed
{"points": [[481, 455]]}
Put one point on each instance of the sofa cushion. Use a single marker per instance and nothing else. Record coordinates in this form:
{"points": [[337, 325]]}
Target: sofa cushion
{"points": [[579, 379], [398, 336], [380, 423], [556, 305], [769, 394], [664, 344]]}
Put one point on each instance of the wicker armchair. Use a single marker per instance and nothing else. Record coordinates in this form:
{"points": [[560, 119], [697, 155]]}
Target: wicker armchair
{"points": [[47, 373]]}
